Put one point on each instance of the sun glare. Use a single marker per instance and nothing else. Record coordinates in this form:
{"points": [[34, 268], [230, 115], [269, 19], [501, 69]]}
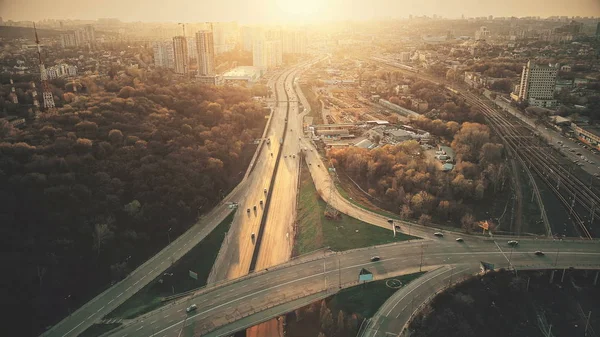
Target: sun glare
{"points": [[304, 10]]}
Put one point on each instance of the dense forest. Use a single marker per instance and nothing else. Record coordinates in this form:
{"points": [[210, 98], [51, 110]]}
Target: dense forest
{"points": [[412, 184], [91, 190]]}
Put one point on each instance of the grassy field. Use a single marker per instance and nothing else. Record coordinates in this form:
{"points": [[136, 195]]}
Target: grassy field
{"points": [[177, 280], [316, 231], [98, 329]]}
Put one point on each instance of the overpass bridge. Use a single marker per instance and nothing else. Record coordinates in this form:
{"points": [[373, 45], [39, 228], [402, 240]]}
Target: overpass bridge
{"points": [[231, 306]]}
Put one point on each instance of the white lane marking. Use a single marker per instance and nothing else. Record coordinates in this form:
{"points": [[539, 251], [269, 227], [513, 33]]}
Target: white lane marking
{"points": [[161, 262], [180, 310], [140, 328], [128, 288], [109, 302], [90, 316], [136, 282], [100, 309], [154, 321], [119, 295], [73, 329], [167, 316]]}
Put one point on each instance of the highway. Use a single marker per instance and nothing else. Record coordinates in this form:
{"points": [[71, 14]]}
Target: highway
{"points": [[249, 190], [226, 303], [393, 316]]}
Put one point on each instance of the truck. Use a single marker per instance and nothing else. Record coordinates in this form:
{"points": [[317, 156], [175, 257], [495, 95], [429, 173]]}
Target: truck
{"points": [[281, 141]]}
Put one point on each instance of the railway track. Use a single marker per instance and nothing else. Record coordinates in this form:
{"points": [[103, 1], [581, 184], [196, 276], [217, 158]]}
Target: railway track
{"points": [[567, 187]]}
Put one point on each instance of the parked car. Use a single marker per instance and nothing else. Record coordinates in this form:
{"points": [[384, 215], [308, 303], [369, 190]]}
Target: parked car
{"points": [[191, 308], [438, 234], [375, 258], [459, 240], [513, 243]]}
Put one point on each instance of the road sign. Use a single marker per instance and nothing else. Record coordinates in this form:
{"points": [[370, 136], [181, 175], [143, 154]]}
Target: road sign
{"points": [[365, 275], [193, 275]]}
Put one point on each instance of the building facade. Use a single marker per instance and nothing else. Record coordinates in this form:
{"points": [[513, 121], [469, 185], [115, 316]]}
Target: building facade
{"points": [[206, 53], [180, 52], [163, 54], [537, 85]]}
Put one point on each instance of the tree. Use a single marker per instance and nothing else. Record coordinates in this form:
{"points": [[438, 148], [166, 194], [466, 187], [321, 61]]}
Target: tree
{"points": [[102, 234], [424, 219], [327, 325], [406, 212], [115, 136], [339, 325], [467, 222]]}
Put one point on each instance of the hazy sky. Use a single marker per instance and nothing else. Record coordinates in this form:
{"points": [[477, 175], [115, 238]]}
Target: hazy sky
{"points": [[253, 11]]}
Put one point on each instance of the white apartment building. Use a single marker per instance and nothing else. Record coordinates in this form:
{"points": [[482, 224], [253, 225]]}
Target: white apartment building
{"points": [[61, 70], [482, 34], [164, 55], [180, 51], [206, 53], [537, 85], [294, 42]]}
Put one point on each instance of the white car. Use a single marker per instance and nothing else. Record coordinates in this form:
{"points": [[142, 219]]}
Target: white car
{"points": [[191, 308], [438, 234]]}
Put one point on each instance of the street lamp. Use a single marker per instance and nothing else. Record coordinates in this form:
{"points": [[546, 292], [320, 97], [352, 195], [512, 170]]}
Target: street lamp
{"points": [[169, 234], [68, 304]]}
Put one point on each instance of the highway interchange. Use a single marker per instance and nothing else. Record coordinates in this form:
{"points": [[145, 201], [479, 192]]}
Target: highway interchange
{"points": [[223, 303]]}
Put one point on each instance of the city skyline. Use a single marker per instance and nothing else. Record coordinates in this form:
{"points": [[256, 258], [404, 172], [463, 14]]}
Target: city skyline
{"points": [[278, 11]]}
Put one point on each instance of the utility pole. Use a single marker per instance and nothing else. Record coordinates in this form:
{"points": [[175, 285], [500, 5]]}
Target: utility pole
{"points": [[169, 234], [557, 251], [339, 272], [421, 265]]}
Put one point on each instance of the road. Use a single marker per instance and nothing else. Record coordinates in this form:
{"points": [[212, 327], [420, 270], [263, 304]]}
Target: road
{"points": [[249, 190], [221, 305], [396, 312]]}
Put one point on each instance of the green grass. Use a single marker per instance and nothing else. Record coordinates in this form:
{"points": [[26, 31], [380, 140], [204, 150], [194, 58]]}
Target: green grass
{"points": [[366, 299], [347, 196], [317, 231], [98, 329], [199, 259]]}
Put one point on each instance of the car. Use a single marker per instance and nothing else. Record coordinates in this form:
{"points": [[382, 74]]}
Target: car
{"points": [[438, 234], [459, 240], [255, 207], [539, 253], [261, 202], [252, 236], [248, 210], [578, 153], [265, 190], [271, 154], [513, 243], [375, 258], [191, 308], [285, 156], [319, 165]]}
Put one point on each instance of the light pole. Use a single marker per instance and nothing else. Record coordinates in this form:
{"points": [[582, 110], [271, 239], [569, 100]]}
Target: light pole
{"points": [[421, 265], [68, 305], [557, 251], [169, 234]]}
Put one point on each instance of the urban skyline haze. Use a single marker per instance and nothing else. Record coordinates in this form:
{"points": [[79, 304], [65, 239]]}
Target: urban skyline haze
{"points": [[285, 11]]}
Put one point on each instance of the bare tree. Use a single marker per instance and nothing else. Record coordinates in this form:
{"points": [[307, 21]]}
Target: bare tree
{"points": [[102, 233]]}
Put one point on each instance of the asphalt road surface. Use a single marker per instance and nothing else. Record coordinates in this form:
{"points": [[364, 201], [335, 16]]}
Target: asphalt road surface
{"points": [[396, 312], [249, 190], [227, 303]]}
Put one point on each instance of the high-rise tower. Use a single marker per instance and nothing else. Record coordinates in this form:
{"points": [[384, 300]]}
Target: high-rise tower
{"points": [[180, 51], [206, 53], [13, 94], [46, 93]]}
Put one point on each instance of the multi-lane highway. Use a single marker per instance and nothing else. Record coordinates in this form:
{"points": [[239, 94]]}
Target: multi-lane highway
{"points": [[222, 305], [250, 190]]}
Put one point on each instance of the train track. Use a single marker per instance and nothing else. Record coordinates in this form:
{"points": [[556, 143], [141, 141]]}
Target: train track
{"points": [[569, 189], [522, 140]]}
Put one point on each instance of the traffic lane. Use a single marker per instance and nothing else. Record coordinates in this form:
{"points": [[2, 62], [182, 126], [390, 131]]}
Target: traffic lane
{"points": [[238, 257], [347, 272], [276, 244], [396, 311], [114, 296]]}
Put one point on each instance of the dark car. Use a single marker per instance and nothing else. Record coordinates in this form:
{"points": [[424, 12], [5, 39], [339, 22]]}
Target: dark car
{"points": [[539, 253]]}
